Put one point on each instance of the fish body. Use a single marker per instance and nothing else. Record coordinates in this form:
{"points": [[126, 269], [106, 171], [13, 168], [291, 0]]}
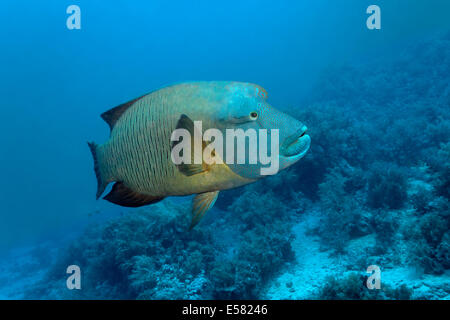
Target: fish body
{"points": [[138, 154]]}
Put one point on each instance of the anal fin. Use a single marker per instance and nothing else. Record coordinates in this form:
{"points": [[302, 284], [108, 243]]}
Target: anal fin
{"points": [[201, 203], [125, 197]]}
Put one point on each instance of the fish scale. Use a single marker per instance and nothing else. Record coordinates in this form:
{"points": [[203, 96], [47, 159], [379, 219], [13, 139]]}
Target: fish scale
{"points": [[140, 173]]}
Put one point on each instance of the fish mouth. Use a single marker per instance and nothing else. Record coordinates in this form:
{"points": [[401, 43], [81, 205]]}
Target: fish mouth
{"points": [[296, 145]]}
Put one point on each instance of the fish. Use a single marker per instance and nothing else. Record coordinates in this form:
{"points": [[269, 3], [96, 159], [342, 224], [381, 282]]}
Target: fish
{"points": [[139, 155]]}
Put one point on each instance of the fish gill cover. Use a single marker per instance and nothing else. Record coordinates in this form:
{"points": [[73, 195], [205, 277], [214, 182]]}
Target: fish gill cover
{"points": [[372, 190]]}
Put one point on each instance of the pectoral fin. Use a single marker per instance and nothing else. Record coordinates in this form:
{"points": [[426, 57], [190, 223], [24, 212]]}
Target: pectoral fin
{"points": [[201, 203], [191, 168]]}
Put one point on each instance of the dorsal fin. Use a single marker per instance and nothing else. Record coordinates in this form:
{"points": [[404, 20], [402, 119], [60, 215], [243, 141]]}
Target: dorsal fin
{"points": [[111, 116]]}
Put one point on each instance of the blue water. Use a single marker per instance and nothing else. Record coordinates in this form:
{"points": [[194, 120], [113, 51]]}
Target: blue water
{"points": [[374, 184]]}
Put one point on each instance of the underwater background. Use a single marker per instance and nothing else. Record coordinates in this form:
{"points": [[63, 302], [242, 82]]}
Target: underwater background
{"points": [[372, 190]]}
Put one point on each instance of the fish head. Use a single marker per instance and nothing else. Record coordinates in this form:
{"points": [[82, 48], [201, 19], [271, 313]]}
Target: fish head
{"points": [[286, 141]]}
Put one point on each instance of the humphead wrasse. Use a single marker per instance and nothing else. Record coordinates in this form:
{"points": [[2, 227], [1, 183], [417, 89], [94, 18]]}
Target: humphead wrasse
{"points": [[138, 155]]}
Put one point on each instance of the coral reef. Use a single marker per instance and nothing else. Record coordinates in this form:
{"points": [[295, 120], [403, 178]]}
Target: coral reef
{"points": [[375, 185], [149, 254], [353, 287]]}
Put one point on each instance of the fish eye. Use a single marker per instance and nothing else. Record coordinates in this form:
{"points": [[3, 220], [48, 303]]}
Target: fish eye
{"points": [[253, 115]]}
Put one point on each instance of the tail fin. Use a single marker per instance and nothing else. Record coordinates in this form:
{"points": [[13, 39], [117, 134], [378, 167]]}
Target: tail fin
{"points": [[101, 185]]}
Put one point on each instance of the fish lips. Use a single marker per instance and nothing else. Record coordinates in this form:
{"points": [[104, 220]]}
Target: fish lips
{"points": [[296, 145]]}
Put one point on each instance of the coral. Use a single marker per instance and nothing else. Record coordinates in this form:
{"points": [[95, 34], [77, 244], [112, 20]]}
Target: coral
{"points": [[443, 251], [385, 224], [353, 287], [264, 246], [428, 238], [151, 254], [387, 187], [441, 165], [342, 217], [141, 255], [431, 249]]}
